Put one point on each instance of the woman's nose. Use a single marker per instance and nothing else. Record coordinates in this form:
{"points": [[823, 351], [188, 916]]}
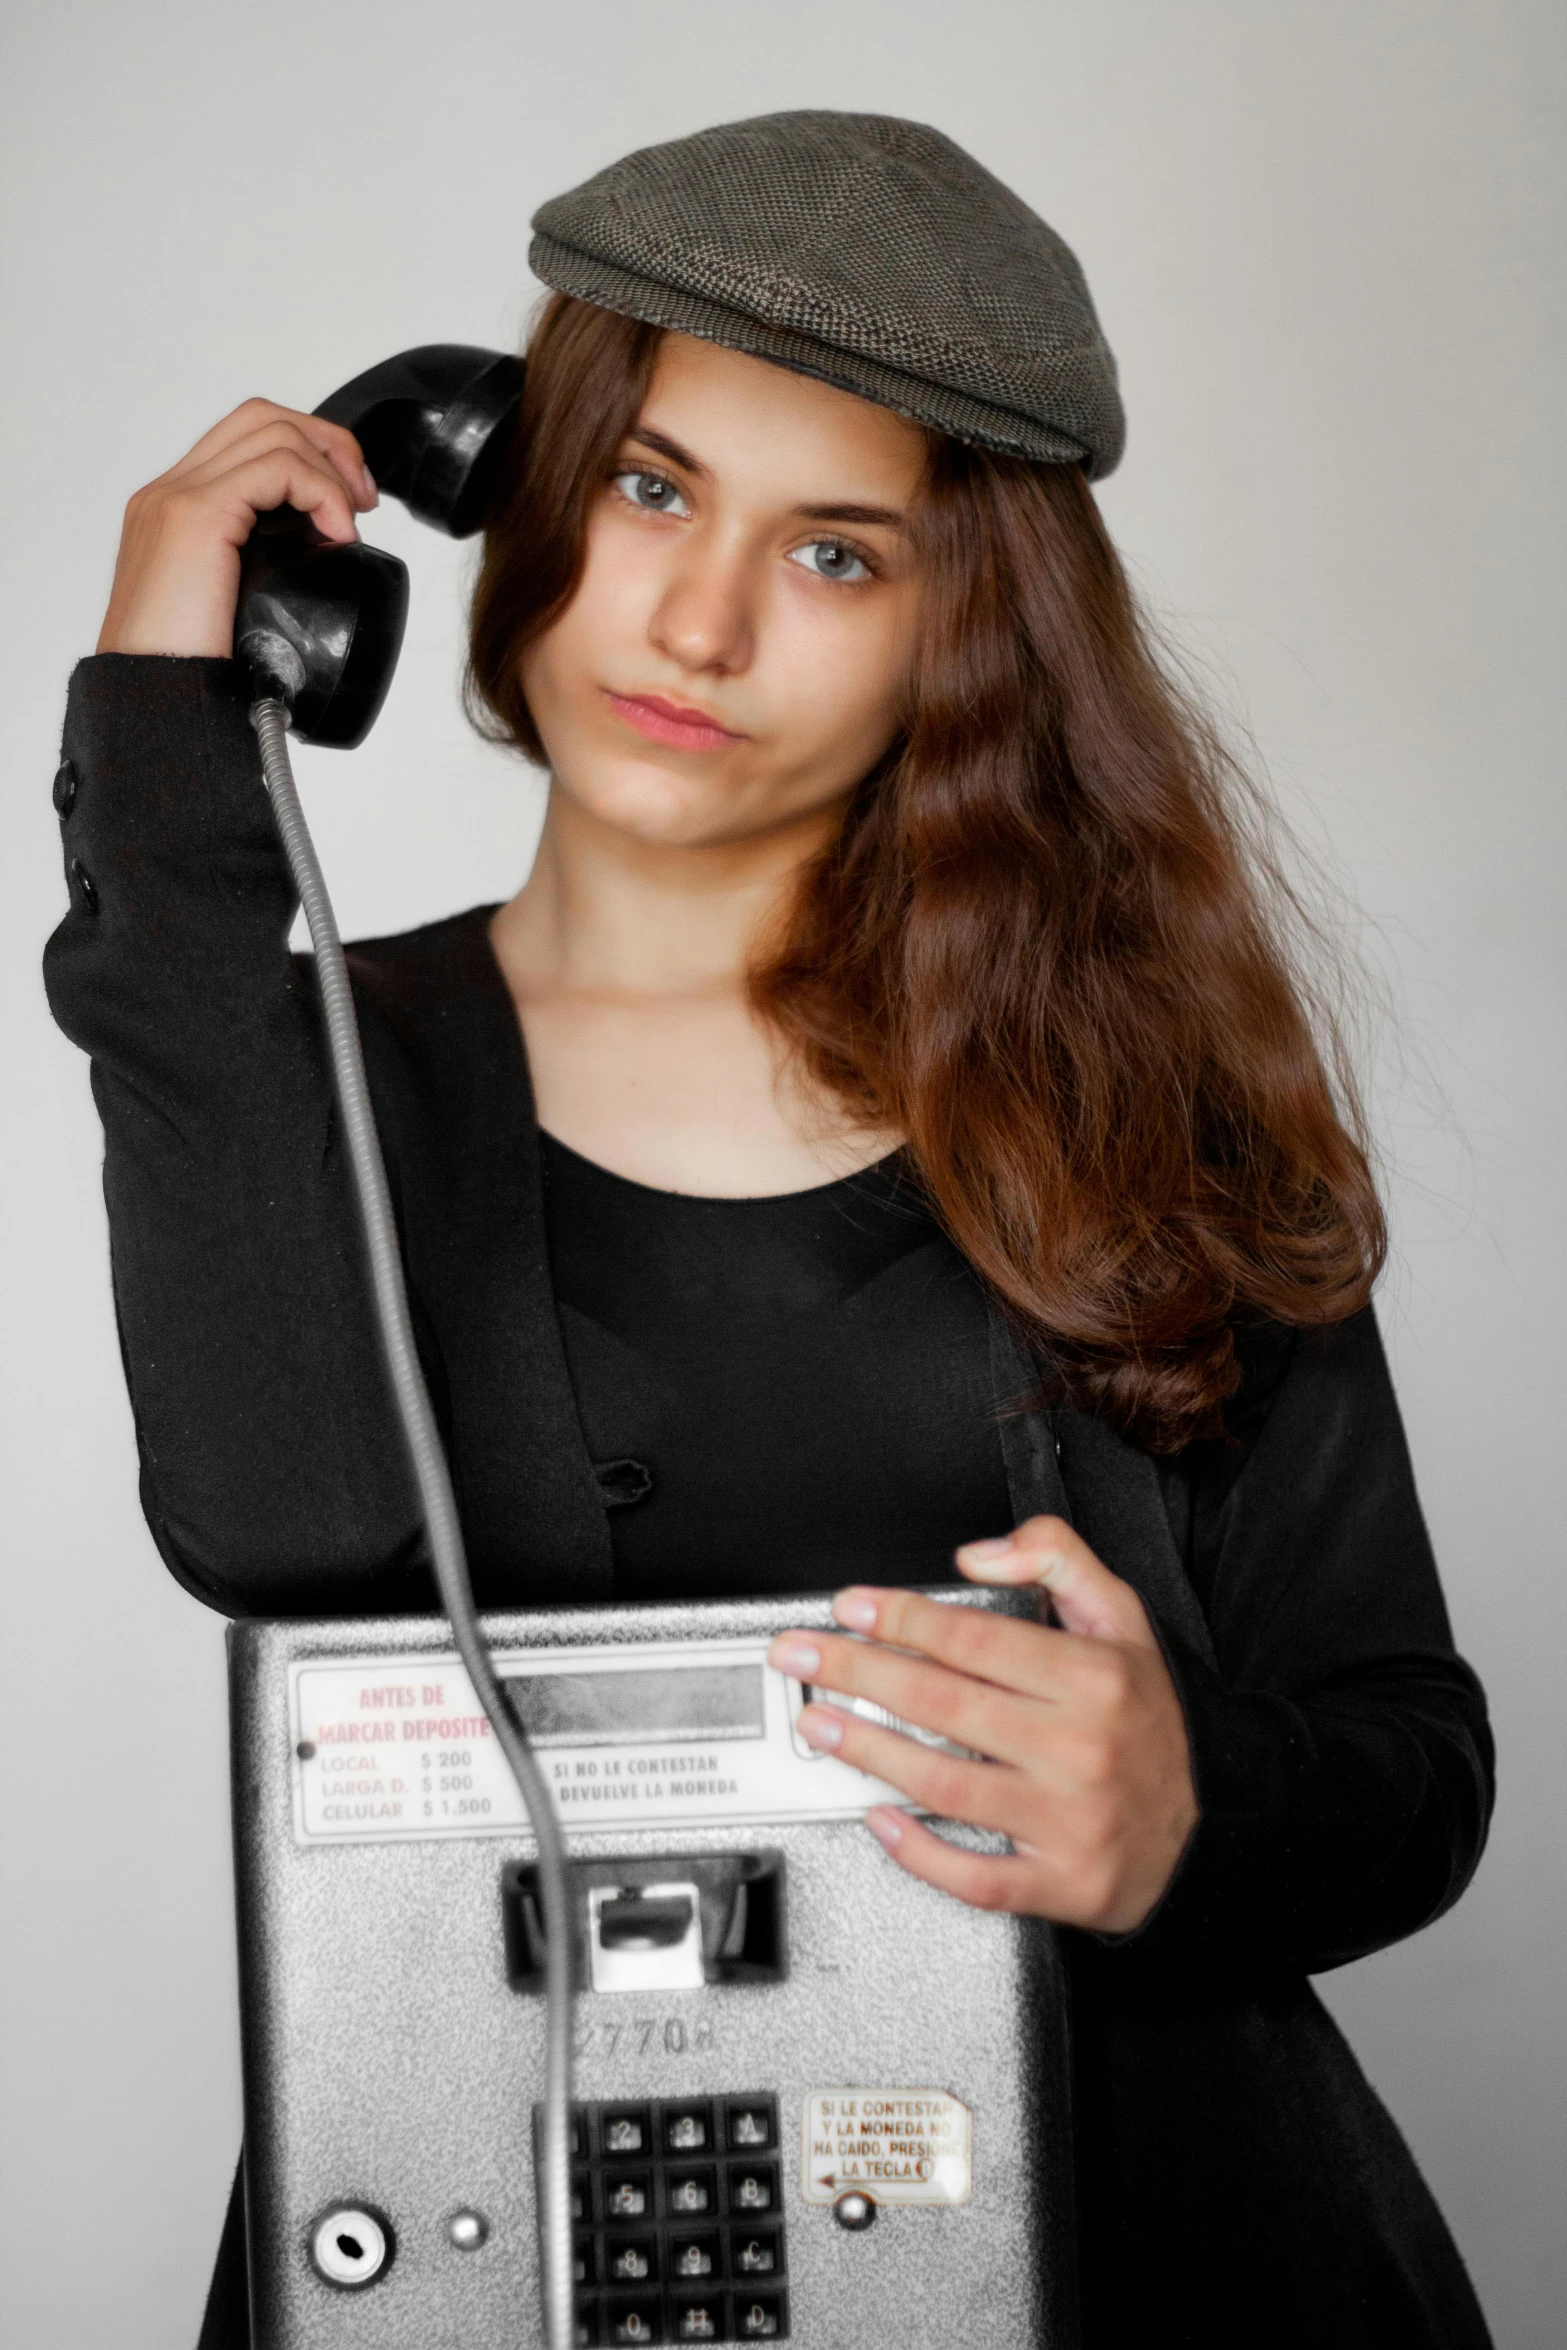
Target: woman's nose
{"points": [[705, 618]]}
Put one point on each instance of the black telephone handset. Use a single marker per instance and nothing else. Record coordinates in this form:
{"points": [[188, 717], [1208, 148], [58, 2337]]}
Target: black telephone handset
{"points": [[321, 625]]}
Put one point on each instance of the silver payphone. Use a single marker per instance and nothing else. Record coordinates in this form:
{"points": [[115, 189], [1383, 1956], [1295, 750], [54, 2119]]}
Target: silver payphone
{"points": [[814, 2098]]}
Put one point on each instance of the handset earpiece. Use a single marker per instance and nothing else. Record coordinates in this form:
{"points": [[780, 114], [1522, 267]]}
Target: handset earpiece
{"points": [[321, 625], [430, 425]]}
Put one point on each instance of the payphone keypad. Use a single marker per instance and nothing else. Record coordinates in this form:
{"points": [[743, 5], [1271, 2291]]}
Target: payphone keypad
{"points": [[677, 2208]]}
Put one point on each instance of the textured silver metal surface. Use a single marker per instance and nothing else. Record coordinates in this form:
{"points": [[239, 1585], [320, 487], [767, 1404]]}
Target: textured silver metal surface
{"points": [[389, 2064]]}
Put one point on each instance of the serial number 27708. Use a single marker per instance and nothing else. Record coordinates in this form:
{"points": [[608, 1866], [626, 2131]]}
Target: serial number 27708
{"points": [[642, 2035]]}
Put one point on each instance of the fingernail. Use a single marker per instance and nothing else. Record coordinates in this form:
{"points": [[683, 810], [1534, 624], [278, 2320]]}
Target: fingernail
{"points": [[856, 1607], [790, 1654], [1014, 1566], [886, 1827], [820, 1728], [370, 486], [995, 1546]]}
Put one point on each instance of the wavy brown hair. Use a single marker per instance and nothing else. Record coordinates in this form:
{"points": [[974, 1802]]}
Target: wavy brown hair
{"points": [[1048, 944]]}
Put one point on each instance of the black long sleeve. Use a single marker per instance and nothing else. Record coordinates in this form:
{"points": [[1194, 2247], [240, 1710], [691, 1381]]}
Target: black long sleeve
{"points": [[1342, 1754], [266, 1439]]}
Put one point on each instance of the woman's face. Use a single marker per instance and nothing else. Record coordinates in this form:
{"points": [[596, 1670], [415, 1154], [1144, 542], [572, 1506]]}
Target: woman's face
{"points": [[735, 657]]}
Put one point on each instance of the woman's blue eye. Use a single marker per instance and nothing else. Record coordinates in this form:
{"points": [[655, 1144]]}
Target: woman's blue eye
{"points": [[654, 493], [831, 559]]}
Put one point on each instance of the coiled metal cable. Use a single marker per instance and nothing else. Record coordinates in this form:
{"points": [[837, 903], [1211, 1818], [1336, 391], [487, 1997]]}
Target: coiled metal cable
{"points": [[270, 720]]}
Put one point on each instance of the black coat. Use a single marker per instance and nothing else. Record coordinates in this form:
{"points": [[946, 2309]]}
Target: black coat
{"points": [[1238, 2180]]}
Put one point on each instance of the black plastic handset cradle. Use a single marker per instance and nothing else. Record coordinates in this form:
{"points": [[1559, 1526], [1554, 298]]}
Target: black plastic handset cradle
{"points": [[320, 625]]}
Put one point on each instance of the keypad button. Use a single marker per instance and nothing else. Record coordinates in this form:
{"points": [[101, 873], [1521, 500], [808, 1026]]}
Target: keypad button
{"points": [[633, 2262], [582, 2195], [751, 2126], [755, 2252], [627, 2196], [688, 2129], [758, 2317], [632, 2321], [753, 2186], [625, 2130], [587, 2333], [693, 2256], [692, 2194], [700, 2320], [582, 2260]]}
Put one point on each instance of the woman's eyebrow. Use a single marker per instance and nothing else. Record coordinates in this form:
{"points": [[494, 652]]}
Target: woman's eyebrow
{"points": [[889, 516], [667, 448]]}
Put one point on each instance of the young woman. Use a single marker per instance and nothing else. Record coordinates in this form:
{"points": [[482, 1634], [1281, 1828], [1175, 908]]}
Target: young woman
{"points": [[883, 1120]]}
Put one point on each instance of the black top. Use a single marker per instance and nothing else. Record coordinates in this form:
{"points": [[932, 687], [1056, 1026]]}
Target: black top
{"points": [[1238, 2180], [791, 1392]]}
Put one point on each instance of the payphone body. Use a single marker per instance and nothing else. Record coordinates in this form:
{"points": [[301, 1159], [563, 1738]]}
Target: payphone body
{"points": [[817, 2100]]}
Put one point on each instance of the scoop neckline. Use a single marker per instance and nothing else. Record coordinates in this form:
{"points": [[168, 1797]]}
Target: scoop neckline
{"points": [[887, 1167]]}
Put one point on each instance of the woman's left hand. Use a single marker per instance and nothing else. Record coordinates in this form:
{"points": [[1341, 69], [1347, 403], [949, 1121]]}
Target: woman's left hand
{"points": [[1088, 1771]]}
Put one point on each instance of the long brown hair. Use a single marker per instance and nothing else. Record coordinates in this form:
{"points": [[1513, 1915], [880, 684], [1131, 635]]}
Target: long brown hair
{"points": [[1045, 945]]}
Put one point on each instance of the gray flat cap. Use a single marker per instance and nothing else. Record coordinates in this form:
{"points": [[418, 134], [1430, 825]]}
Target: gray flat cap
{"points": [[870, 252]]}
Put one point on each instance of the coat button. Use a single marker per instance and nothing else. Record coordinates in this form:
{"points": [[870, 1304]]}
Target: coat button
{"points": [[620, 1483], [64, 789], [86, 887]]}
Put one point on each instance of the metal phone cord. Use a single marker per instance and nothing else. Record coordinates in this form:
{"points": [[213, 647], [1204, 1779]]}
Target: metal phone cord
{"points": [[270, 719]]}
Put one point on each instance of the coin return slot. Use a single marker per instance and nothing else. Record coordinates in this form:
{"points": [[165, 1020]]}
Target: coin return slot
{"points": [[651, 1925], [645, 1940]]}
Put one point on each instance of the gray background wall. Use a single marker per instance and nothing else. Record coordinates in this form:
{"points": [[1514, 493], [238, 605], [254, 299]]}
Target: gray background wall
{"points": [[1325, 239]]}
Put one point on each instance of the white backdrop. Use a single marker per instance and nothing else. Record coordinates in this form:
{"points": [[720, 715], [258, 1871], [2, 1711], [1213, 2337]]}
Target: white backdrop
{"points": [[1325, 238]]}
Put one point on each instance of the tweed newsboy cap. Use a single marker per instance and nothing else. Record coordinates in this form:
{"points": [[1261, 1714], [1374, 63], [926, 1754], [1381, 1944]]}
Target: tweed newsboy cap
{"points": [[871, 252]]}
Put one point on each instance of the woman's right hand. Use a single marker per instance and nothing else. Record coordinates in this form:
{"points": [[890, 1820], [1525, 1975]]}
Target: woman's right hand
{"points": [[176, 580]]}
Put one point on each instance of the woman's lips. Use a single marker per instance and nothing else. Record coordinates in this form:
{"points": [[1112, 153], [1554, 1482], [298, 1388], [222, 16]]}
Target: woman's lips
{"points": [[667, 722]]}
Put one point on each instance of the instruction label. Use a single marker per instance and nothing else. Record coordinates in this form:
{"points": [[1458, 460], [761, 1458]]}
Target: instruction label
{"points": [[897, 2145], [667, 1734]]}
